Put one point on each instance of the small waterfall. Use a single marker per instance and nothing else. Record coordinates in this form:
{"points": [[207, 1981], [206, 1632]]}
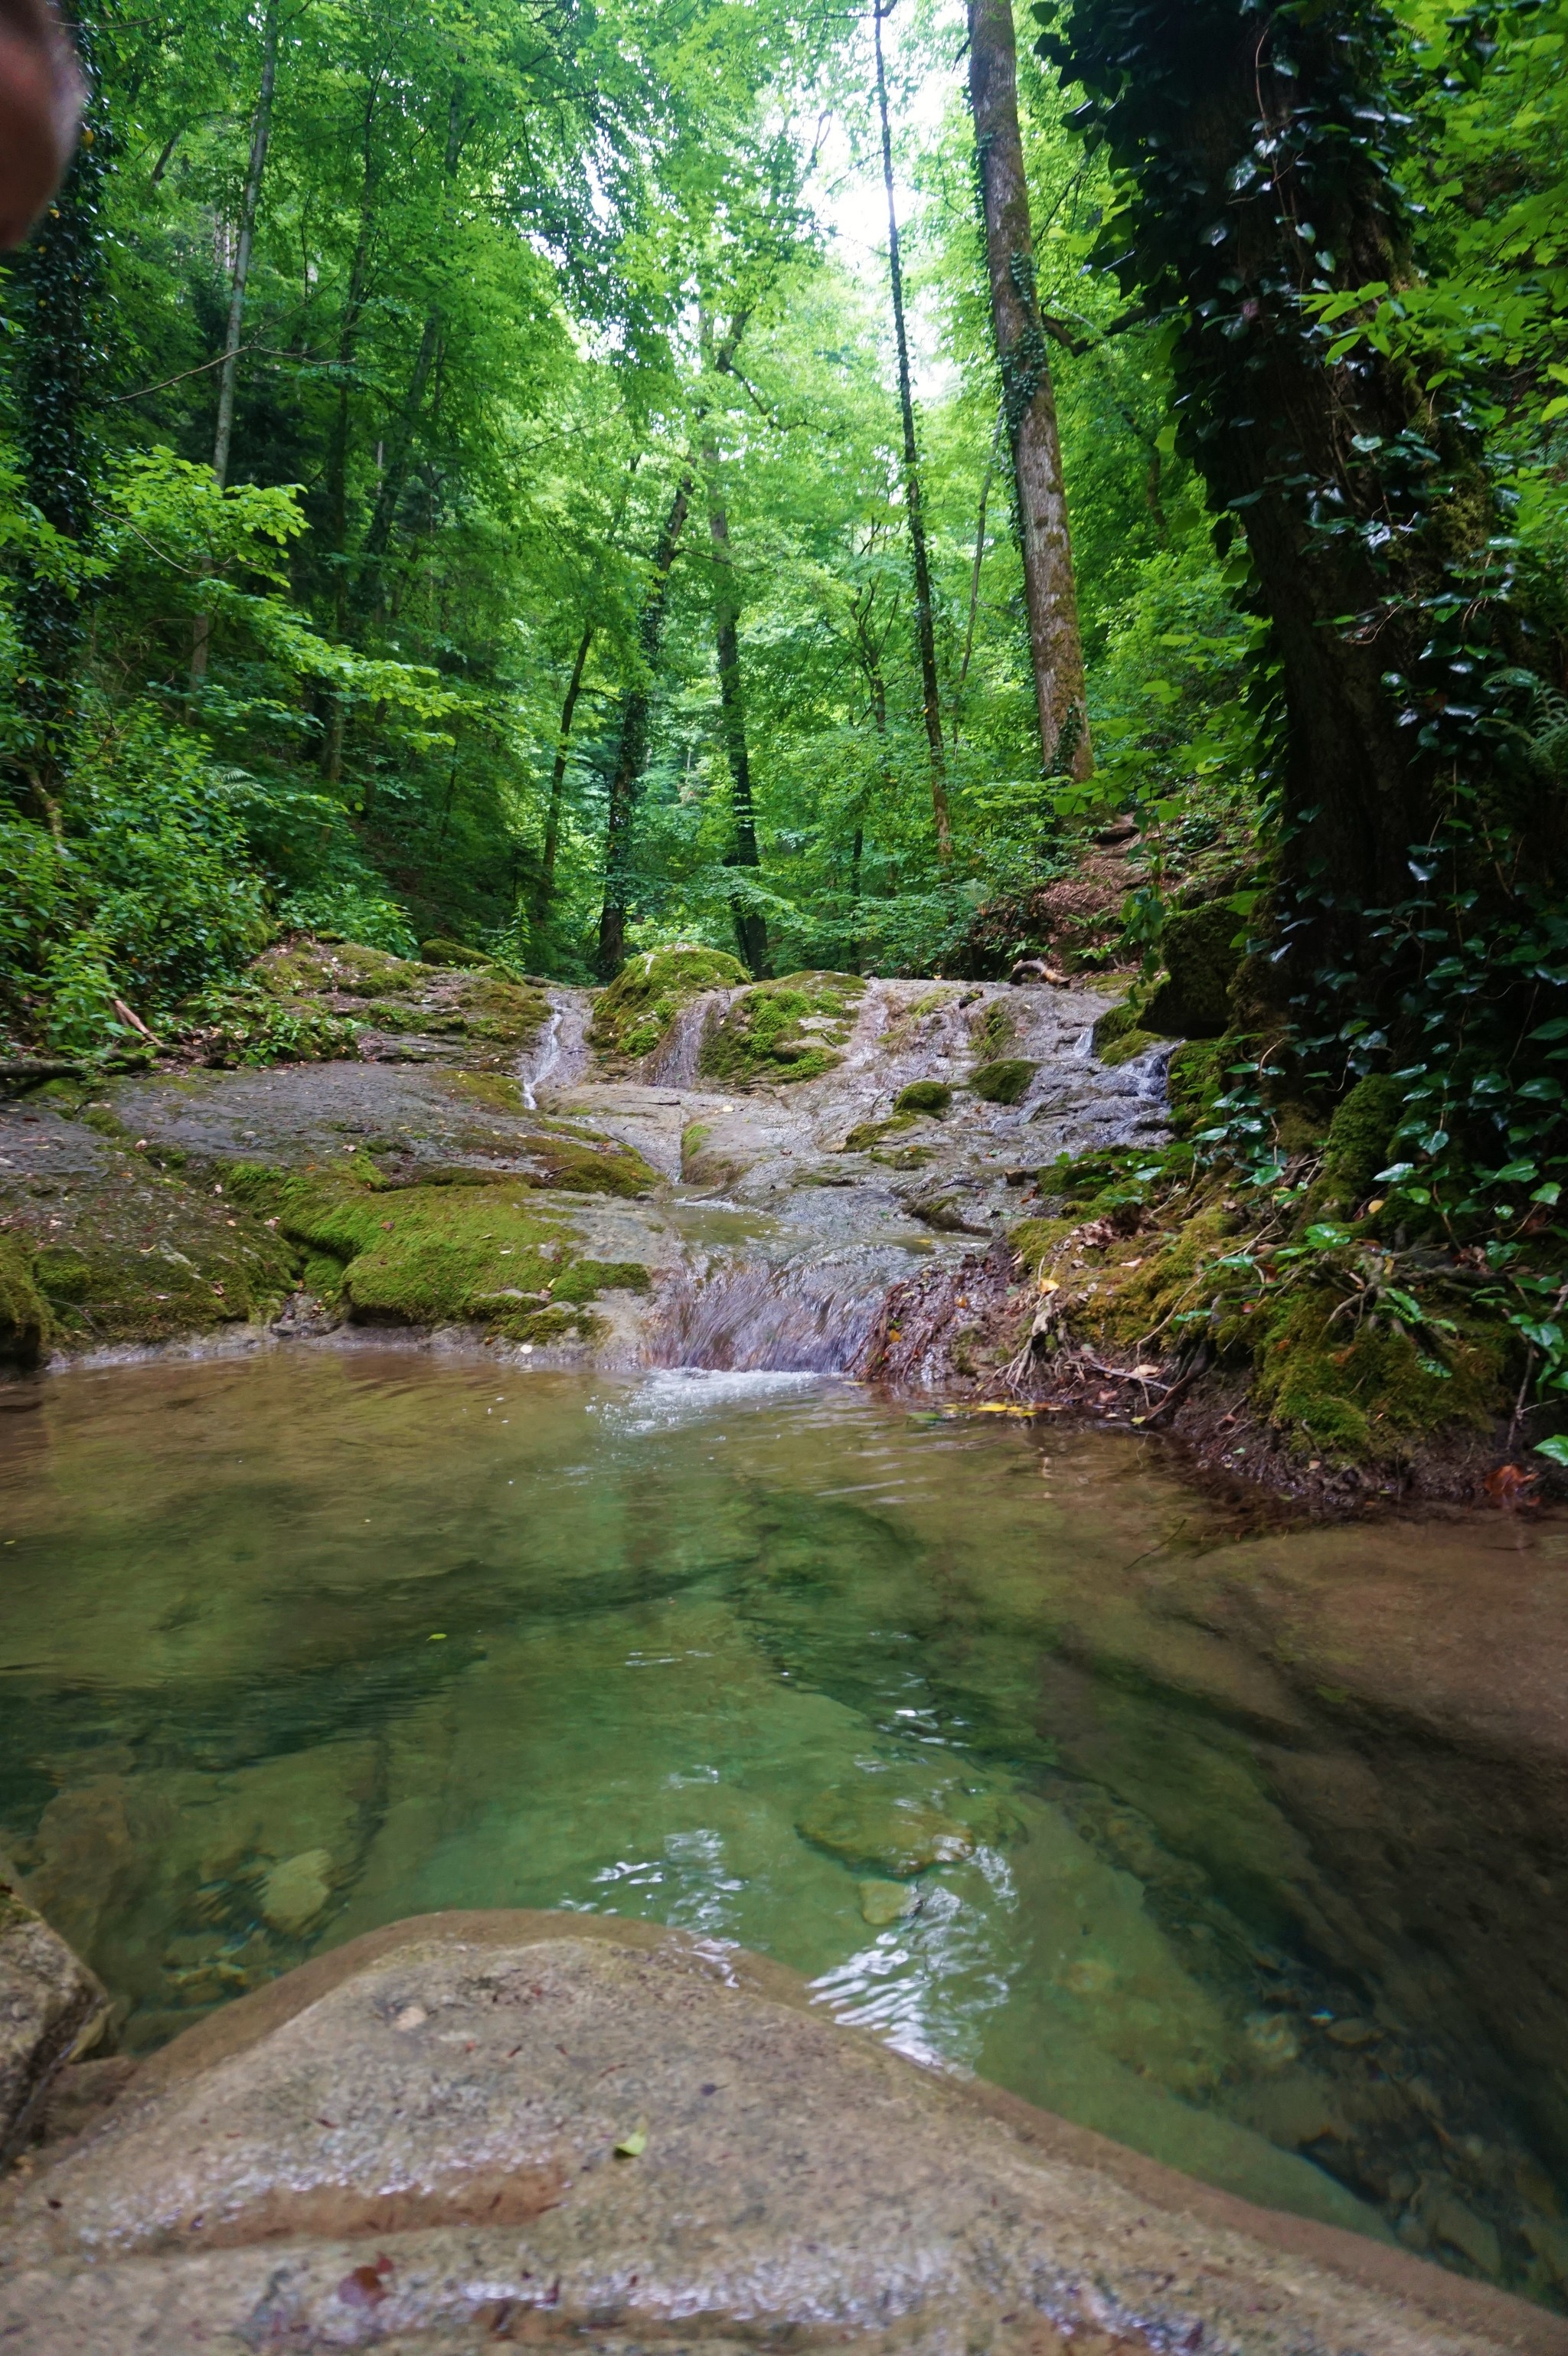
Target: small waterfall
{"points": [[561, 1050], [673, 1063], [545, 1056], [802, 1318]]}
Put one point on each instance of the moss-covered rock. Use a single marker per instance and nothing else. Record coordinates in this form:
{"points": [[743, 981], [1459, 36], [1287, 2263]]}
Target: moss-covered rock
{"points": [[1361, 1136], [313, 968], [1202, 951], [441, 951], [23, 1316], [313, 998], [1195, 1080], [633, 1015], [1131, 1043], [437, 1255], [923, 1096], [1372, 1391], [1004, 1082], [782, 1031]]}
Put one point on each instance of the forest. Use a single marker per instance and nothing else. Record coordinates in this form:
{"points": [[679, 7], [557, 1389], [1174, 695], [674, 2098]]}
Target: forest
{"points": [[569, 480]]}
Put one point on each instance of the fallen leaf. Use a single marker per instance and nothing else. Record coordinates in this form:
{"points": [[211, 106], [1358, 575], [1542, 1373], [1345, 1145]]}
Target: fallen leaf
{"points": [[632, 2145]]}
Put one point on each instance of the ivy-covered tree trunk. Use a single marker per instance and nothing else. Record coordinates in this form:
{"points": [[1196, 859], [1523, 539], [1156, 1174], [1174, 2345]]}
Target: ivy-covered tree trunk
{"points": [[632, 751], [228, 375], [57, 295], [1028, 400], [1257, 147]]}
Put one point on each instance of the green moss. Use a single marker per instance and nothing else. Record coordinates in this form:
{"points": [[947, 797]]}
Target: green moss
{"points": [[1201, 952], [435, 1255], [632, 1016], [568, 1163], [923, 1096], [1034, 1240], [995, 1033], [24, 1315], [1372, 1393], [1004, 1082], [1195, 1078], [1131, 1043], [314, 969], [104, 1286], [782, 1031], [445, 952], [1116, 1022], [1359, 1137]]}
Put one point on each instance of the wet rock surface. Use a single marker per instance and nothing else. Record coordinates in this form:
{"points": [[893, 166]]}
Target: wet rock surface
{"points": [[791, 1151], [469, 2131], [48, 2001]]}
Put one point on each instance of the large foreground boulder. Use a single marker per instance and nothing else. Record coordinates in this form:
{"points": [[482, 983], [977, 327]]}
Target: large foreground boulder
{"points": [[473, 2130]]}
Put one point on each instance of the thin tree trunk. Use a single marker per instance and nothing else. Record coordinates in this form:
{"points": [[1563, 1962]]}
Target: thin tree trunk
{"points": [[1029, 401], [251, 197], [633, 748], [985, 481], [925, 633], [337, 447], [750, 929], [544, 890]]}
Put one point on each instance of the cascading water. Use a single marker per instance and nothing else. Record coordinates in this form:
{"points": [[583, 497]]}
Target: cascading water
{"points": [[800, 1317], [673, 1062]]}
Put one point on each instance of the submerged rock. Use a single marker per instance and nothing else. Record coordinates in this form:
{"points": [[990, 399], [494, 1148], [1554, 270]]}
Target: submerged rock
{"points": [[470, 2129], [887, 1832], [48, 2000]]}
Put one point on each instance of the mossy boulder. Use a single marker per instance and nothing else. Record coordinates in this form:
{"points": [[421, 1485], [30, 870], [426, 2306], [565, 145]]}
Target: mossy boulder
{"points": [[1004, 1082], [24, 1314], [782, 1031], [923, 1096], [485, 1253], [1201, 948], [313, 968], [1361, 1137], [633, 1015], [441, 951]]}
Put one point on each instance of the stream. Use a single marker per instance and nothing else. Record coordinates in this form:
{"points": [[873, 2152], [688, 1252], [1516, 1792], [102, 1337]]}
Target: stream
{"points": [[1246, 1850]]}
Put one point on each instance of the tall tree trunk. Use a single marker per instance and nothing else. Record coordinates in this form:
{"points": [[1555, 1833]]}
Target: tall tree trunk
{"points": [[398, 452], [632, 750], [1029, 402], [987, 479], [544, 890], [59, 275], [250, 199], [750, 929], [1261, 153], [336, 484], [925, 626]]}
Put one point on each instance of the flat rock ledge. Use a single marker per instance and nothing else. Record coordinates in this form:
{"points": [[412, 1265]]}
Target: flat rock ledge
{"points": [[473, 2130]]}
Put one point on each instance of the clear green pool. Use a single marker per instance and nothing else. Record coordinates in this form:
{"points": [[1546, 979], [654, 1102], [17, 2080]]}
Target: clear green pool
{"points": [[295, 1647]]}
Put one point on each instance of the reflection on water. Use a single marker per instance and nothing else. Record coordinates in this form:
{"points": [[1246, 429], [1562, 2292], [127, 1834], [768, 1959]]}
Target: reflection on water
{"points": [[948, 1717]]}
